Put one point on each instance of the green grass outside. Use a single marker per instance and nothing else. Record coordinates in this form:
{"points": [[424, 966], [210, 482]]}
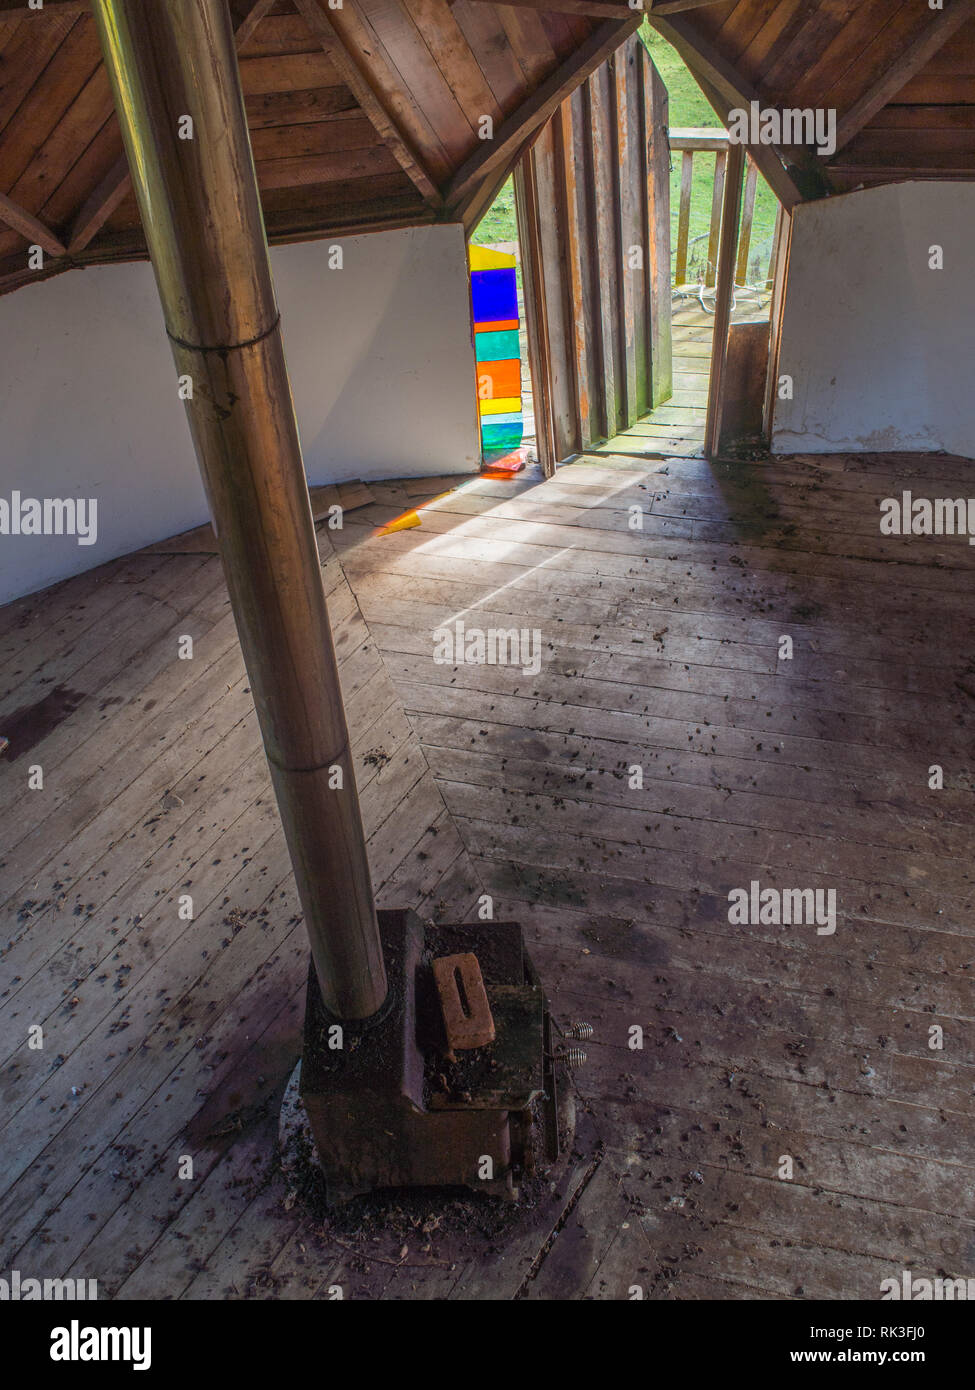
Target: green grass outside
{"points": [[499, 222], [688, 107]]}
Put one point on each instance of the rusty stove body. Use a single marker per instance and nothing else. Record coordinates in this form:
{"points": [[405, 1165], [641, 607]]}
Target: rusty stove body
{"points": [[452, 1083]]}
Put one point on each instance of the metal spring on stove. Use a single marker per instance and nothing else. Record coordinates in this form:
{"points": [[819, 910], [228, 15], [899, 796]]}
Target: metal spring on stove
{"points": [[573, 1057], [582, 1031]]}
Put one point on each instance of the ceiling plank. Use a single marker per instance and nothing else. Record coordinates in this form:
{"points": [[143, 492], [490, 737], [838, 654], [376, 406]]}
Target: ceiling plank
{"points": [[372, 105], [29, 226], [117, 183], [534, 112], [941, 26], [728, 91]]}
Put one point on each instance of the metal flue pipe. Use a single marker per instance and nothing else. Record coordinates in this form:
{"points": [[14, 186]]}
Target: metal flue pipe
{"points": [[173, 69]]}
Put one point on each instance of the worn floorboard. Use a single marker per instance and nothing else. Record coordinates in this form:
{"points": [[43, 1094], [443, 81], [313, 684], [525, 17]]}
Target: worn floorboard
{"points": [[660, 591]]}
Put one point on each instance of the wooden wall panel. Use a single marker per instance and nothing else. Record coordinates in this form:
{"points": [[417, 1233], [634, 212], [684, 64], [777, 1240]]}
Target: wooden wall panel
{"points": [[594, 211]]}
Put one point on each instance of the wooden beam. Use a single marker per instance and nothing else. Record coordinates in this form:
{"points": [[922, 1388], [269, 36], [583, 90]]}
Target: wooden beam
{"points": [[779, 274], [536, 312], [677, 6], [942, 25], [717, 205], [59, 7], [283, 227], [607, 9], [728, 91], [99, 205], [592, 9], [28, 225], [656, 112], [117, 183], [480, 199], [727, 255], [538, 108], [747, 218], [247, 15], [371, 102], [699, 138], [767, 157]]}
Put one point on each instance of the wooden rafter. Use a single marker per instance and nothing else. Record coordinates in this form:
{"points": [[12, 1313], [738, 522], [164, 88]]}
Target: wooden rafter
{"points": [[247, 15], [50, 7], [592, 9], [116, 184], [939, 29], [664, 7], [608, 9], [483, 195], [727, 91], [29, 226], [534, 112], [99, 205], [283, 227], [319, 21]]}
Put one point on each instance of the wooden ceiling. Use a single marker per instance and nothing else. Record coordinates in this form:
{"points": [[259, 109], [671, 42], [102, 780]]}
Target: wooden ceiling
{"points": [[369, 115], [900, 75], [363, 116]]}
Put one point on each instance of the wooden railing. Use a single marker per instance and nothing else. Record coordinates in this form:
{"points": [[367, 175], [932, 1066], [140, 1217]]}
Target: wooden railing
{"points": [[691, 143]]}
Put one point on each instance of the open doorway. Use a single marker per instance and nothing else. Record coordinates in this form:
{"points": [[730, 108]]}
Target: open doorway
{"points": [[642, 227], [699, 150]]}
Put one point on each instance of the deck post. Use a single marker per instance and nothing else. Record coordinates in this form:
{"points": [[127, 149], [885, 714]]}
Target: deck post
{"points": [[724, 294], [177, 91]]}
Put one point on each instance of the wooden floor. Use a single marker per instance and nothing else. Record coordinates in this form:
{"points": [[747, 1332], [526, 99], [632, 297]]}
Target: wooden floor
{"points": [[677, 426], [660, 650]]}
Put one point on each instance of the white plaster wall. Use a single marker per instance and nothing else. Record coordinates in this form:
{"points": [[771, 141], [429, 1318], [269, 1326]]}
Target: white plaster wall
{"points": [[381, 362], [879, 346]]}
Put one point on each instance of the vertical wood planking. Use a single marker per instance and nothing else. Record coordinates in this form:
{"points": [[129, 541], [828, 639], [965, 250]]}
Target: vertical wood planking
{"points": [[536, 310], [684, 216], [596, 186], [564, 407], [630, 234], [659, 295], [747, 218], [717, 199], [727, 256], [605, 198], [573, 234], [780, 273]]}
